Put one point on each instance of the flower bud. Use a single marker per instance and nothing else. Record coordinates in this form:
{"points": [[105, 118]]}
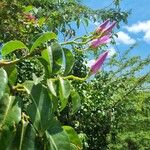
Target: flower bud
{"points": [[109, 29], [97, 42], [102, 26], [98, 63]]}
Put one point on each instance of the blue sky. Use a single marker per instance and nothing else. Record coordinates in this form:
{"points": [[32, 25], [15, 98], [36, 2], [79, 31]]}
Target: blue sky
{"points": [[136, 31]]}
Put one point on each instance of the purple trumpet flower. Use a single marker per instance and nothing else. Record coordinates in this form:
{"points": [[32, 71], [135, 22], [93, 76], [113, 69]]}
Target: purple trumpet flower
{"points": [[98, 63], [106, 27], [109, 28], [97, 42], [102, 26]]}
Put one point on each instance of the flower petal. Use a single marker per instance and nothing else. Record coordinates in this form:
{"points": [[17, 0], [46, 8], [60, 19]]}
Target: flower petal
{"points": [[102, 26], [98, 63]]}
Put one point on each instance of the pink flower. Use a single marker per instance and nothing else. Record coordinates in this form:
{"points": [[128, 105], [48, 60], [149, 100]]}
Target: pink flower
{"points": [[106, 27], [102, 26], [109, 28], [98, 63], [97, 42], [104, 33]]}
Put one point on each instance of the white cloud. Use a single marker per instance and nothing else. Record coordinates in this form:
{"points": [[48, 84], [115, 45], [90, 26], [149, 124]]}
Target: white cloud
{"points": [[147, 36], [112, 51], [90, 62], [124, 38], [141, 27]]}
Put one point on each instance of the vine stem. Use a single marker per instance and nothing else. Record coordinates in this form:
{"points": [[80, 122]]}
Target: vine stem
{"points": [[71, 77], [77, 43], [4, 63], [8, 63], [76, 78], [20, 87]]}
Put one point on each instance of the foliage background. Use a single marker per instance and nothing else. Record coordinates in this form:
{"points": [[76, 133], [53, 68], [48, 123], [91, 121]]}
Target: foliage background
{"points": [[115, 103]]}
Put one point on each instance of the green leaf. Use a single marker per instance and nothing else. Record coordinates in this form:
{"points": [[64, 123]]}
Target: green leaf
{"points": [[76, 100], [48, 57], [12, 74], [64, 92], [28, 8], [52, 59], [4, 80], [11, 46], [25, 138], [69, 61], [57, 137], [6, 137], [57, 57], [55, 103], [40, 110], [28, 85], [10, 112], [42, 39], [36, 79], [64, 87], [29, 138], [46, 66], [52, 87], [10, 115], [41, 21], [73, 136]]}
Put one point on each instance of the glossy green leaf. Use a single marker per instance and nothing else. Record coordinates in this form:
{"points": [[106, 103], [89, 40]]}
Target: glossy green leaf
{"points": [[41, 21], [55, 102], [64, 92], [10, 112], [4, 80], [42, 39], [28, 85], [52, 87], [76, 100], [73, 136], [57, 57], [36, 79], [48, 57], [12, 74], [40, 110], [28, 8], [65, 87], [25, 138], [46, 66], [52, 59], [10, 115], [69, 61], [11, 46], [6, 137], [57, 137], [28, 138]]}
